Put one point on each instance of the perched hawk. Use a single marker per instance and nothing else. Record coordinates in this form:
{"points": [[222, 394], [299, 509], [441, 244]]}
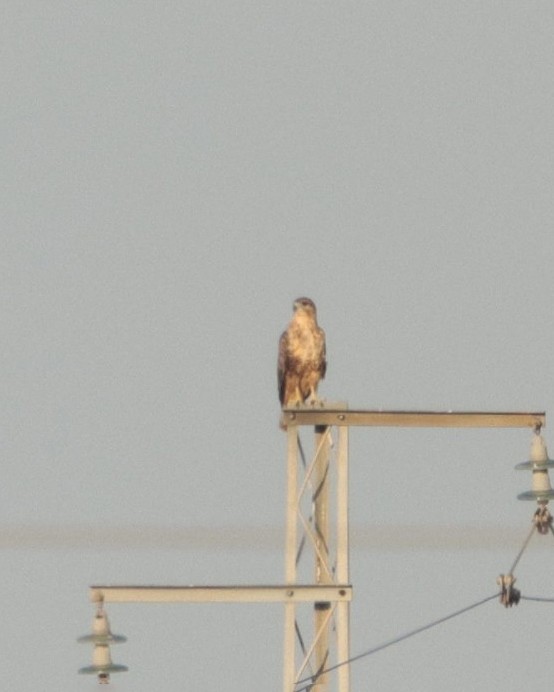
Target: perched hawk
{"points": [[301, 356]]}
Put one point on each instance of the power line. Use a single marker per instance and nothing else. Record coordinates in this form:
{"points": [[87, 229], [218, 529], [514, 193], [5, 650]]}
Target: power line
{"points": [[542, 522], [540, 599], [311, 680], [525, 544], [396, 640]]}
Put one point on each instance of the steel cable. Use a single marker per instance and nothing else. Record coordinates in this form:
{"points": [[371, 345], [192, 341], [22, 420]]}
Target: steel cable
{"points": [[310, 681], [525, 544]]}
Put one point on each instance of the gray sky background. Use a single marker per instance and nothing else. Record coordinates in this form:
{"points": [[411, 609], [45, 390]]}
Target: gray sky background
{"points": [[174, 175]]}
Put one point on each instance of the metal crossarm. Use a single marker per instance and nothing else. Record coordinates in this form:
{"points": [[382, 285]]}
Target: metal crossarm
{"points": [[221, 594], [412, 419]]}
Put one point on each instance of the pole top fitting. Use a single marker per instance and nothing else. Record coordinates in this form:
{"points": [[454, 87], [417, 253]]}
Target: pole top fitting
{"points": [[509, 595]]}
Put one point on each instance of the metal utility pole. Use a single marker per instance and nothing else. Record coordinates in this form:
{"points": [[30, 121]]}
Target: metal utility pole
{"points": [[324, 532], [316, 531], [317, 523]]}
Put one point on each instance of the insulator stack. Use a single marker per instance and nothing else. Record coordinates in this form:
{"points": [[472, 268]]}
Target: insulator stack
{"points": [[101, 637], [539, 463]]}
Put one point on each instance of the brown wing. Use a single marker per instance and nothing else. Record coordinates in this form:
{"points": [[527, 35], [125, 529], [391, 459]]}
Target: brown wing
{"points": [[323, 365], [282, 365]]}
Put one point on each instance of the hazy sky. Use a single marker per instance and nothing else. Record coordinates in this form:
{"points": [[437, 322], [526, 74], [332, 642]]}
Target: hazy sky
{"points": [[174, 174]]}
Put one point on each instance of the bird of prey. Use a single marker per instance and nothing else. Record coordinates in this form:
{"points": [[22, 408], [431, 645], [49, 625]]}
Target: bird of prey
{"points": [[302, 362]]}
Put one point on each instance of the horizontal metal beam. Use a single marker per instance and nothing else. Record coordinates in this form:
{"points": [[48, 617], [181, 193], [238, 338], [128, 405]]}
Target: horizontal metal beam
{"points": [[220, 594], [413, 419]]}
